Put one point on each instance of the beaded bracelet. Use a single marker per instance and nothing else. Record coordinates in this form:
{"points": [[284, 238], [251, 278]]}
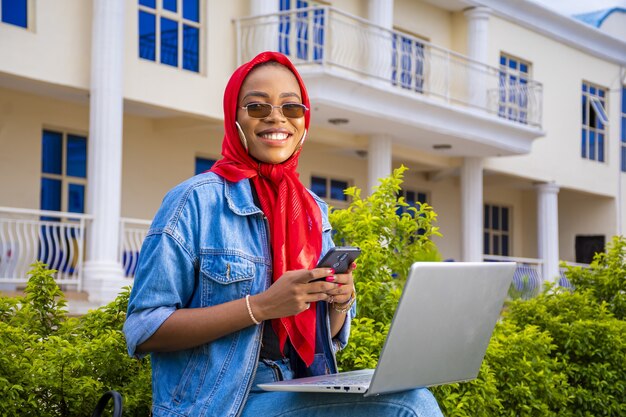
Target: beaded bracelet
{"points": [[343, 308], [250, 310]]}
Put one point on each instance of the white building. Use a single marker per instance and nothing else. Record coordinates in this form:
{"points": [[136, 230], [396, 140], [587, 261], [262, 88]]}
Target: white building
{"points": [[510, 117]]}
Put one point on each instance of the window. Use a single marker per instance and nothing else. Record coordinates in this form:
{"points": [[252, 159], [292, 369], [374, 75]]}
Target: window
{"points": [[301, 34], [329, 188], [14, 12], [513, 99], [497, 231], [63, 172], [203, 164], [407, 62], [169, 32], [586, 247], [413, 198], [595, 121], [623, 133]]}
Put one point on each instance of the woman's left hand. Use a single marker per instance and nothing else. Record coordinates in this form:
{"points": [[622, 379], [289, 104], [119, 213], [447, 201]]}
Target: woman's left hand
{"points": [[342, 292]]}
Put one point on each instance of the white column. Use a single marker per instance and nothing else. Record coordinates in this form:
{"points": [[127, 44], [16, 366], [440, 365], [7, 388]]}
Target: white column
{"points": [[477, 50], [472, 209], [378, 159], [548, 230], [380, 13], [264, 33], [103, 274]]}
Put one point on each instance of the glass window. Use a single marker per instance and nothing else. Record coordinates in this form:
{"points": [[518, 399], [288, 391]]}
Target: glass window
{"points": [[52, 152], [63, 172], [496, 233], [15, 12], [76, 198], [191, 10], [191, 38], [412, 197], [594, 122], [407, 62], [76, 156], [318, 186], [50, 194], [147, 35], [170, 32], [169, 42], [329, 188], [169, 5], [513, 90], [336, 190], [203, 165]]}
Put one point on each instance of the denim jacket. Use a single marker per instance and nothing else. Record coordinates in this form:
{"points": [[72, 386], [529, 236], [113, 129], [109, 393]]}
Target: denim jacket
{"points": [[209, 244]]}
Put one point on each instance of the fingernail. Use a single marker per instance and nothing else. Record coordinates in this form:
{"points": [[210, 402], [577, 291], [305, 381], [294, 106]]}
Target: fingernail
{"points": [[353, 265], [330, 279], [331, 271]]}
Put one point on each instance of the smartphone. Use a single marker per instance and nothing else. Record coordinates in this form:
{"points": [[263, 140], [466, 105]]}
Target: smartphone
{"points": [[339, 258]]}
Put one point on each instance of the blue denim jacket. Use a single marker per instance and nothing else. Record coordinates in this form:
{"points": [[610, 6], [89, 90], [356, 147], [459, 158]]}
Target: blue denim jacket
{"points": [[209, 244]]}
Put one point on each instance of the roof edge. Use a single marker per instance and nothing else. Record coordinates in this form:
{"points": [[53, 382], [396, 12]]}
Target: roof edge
{"points": [[565, 29]]}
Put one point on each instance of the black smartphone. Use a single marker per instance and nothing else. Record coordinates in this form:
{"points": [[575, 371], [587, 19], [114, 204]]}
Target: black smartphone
{"points": [[339, 258]]}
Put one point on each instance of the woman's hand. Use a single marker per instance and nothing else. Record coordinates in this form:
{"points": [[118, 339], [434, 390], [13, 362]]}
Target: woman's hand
{"points": [[293, 292], [342, 293]]}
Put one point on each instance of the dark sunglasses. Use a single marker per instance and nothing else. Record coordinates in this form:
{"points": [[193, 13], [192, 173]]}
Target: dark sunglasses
{"points": [[263, 110]]}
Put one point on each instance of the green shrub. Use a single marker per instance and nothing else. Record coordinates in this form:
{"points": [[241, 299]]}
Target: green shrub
{"points": [[52, 365], [390, 243]]}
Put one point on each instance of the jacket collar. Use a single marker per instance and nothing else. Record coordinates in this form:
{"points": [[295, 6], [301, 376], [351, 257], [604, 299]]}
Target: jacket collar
{"points": [[239, 197]]}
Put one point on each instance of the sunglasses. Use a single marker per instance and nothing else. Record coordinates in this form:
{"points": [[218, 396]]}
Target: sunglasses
{"points": [[263, 110]]}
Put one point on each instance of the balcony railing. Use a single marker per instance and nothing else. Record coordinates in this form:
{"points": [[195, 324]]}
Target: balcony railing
{"points": [[528, 278], [55, 238], [334, 40], [133, 232]]}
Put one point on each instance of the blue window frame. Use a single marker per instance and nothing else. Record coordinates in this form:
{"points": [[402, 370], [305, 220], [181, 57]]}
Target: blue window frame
{"points": [[329, 188], [63, 171], [594, 122], [407, 62], [169, 32], [203, 164], [513, 89], [623, 129], [497, 230], [413, 198], [14, 12], [301, 34]]}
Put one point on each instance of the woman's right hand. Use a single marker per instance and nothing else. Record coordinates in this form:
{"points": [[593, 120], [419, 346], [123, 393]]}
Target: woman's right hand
{"points": [[292, 293]]}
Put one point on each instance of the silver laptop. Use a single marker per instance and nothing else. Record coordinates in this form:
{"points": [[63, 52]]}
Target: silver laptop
{"points": [[439, 333]]}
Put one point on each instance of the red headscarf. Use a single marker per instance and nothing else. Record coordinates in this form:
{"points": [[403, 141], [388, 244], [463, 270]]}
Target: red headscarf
{"points": [[294, 217]]}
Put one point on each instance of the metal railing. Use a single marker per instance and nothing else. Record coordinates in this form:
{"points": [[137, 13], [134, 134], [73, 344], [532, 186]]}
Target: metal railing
{"points": [[55, 238], [325, 37], [132, 234]]}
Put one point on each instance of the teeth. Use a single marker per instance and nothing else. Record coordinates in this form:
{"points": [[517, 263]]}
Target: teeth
{"points": [[275, 136]]}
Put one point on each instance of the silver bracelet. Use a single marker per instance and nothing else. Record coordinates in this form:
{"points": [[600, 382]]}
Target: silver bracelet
{"points": [[250, 310]]}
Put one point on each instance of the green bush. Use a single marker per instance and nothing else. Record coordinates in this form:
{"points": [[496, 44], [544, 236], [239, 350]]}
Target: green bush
{"points": [[390, 243], [54, 365]]}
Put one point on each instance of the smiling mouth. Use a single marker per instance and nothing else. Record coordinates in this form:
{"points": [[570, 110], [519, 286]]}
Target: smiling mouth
{"points": [[274, 136]]}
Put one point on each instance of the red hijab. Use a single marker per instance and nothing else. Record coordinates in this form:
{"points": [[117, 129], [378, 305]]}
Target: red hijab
{"points": [[294, 217]]}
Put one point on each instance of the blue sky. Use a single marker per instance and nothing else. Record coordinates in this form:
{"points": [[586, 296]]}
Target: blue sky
{"points": [[570, 7]]}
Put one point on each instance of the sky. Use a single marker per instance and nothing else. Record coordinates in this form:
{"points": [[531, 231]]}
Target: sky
{"points": [[571, 7]]}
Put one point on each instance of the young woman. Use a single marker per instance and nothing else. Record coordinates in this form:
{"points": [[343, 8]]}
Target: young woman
{"points": [[226, 292]]}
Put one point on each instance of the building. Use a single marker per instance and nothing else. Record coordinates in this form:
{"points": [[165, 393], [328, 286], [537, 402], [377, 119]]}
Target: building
{"points": [[510, 117]]}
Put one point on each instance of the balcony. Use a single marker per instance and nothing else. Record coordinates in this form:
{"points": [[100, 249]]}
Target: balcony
{"points": [[57, 239], [372, 76]]}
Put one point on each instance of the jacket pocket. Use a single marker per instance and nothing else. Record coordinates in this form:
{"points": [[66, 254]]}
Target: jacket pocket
{"points": [[226, 276]]}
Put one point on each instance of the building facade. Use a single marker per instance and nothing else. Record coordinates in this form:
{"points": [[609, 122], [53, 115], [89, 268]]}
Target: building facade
{"points": [[509, 116]]}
